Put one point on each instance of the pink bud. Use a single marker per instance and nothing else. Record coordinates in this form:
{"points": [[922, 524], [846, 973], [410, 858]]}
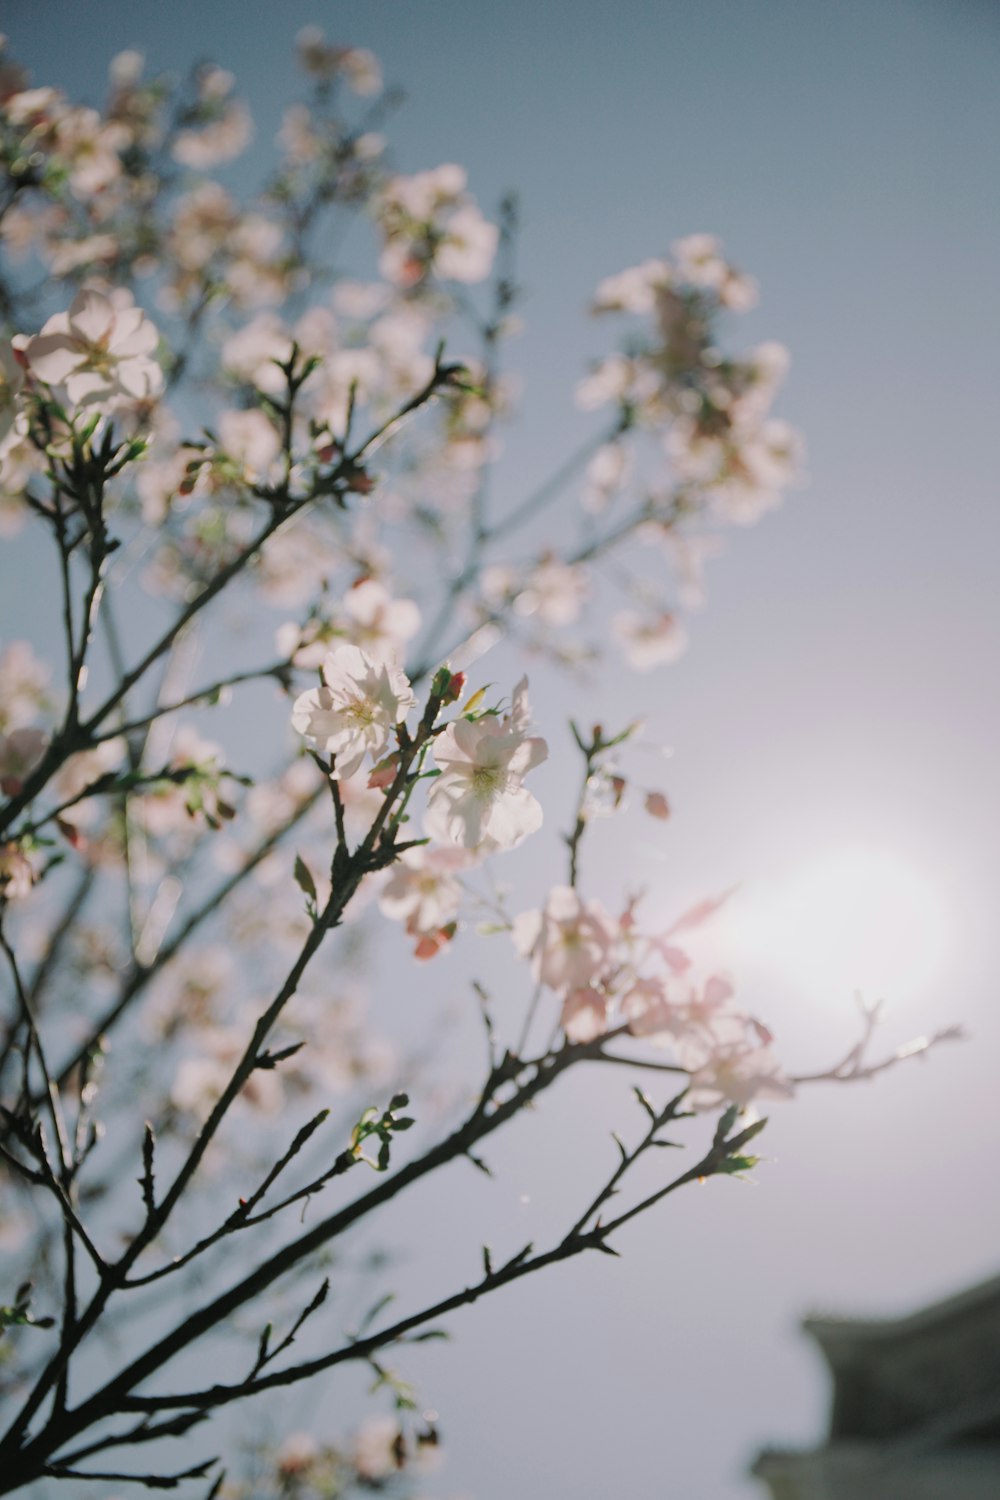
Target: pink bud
{"points": [[657, 805], [384, 774]]}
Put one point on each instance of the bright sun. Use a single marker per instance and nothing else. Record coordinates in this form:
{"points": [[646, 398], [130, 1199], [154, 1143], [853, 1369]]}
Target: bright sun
{"points": [[848, 919]]}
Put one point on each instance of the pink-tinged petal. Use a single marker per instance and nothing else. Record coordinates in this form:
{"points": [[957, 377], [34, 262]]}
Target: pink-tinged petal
{"points": [[563, 904], [91, 315], [717, 990], [701, 911], [53, 356], [526, 929], [584, 1015], [675, 958]]}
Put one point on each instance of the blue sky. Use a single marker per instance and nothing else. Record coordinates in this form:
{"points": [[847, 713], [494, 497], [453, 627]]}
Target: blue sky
{"points": [[839, 693]]}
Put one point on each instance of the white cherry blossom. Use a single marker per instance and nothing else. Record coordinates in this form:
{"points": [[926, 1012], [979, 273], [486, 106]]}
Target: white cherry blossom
{"points": [[478, 801], [354, 713], [99, 351], [649, 640], [378, 623]]}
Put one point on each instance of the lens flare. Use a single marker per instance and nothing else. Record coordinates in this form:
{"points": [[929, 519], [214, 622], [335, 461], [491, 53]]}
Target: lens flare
{"points": [[849, 919]]}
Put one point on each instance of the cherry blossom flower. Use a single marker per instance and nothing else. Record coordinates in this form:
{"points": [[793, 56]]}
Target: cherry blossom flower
{"points": [[422, 892], [17, 873], [378, 1450], [553, 592], [23, 680], [647, 1008], [649, 640], [584, 1015], [20, 752], [249, 438], [478, 801], [569, 941], [320, 59], [634, 290], [99, 351], [378, 623], [355, 711], [81, 771], [90, 148], [430, 225], [729, 1069]]}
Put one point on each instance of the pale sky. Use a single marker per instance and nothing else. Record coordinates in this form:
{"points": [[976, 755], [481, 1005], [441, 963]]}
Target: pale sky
{"points": [[834, 725]]}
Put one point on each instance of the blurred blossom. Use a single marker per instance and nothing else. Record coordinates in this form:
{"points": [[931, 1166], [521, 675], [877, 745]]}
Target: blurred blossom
{"points": [[323, 61], [649, 640], [432, 227], [24, 681], [569, 941]]}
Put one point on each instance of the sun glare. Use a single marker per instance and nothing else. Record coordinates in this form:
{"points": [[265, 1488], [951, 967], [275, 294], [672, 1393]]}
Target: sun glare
{"points": [[849, 919]]}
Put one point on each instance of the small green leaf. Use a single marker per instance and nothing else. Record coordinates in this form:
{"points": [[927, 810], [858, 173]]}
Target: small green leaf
{"points": [[303, 877]]}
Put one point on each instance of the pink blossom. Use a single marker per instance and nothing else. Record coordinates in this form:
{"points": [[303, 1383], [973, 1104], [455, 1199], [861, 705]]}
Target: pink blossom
{"points": [[569, 941], [16, 873], [423, 893], [20, 752], [647, 1008], [731, 1071], [584, 1015]]}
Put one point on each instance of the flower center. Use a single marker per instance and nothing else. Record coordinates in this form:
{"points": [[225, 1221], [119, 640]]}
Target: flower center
{"points": [[487, 780], [360, 710]]}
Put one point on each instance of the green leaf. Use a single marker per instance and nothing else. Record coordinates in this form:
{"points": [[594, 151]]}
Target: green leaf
{"points": [[732, 1166], [726, 1122], [303, 877]]}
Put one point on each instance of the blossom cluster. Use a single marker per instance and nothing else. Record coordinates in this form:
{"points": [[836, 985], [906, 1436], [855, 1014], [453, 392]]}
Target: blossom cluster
{"points": [[610, 975], [478, 800]]}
